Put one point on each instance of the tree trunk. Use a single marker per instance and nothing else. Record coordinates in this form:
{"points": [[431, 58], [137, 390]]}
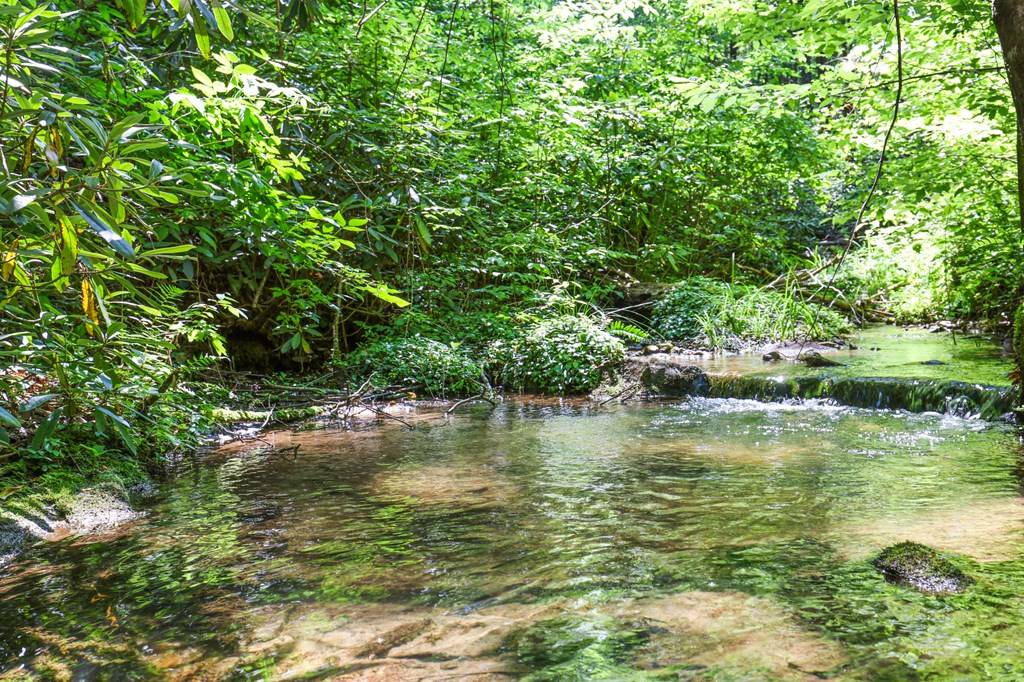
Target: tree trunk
{"points": [[1009, 19]]}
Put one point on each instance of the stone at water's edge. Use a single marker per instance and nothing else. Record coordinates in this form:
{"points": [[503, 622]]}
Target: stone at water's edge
{"points": [[815, 359], [666, 376], [922, 568], [98, 509]]}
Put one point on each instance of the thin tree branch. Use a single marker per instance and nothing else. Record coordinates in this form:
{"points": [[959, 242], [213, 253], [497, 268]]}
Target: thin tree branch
{"points": [[919, 76], [858, 224]]}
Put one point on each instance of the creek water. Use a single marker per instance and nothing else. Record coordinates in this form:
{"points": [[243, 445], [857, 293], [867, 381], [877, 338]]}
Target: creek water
{"points": [[704, 539]]}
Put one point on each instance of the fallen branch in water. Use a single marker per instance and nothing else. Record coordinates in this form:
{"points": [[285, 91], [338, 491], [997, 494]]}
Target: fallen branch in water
{"points": [[479, 396]]}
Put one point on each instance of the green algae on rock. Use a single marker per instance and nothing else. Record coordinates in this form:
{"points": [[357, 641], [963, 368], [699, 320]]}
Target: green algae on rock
{"points": [[570, 647], [921, 567]]}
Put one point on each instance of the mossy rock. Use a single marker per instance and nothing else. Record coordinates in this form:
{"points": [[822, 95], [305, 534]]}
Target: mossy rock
{"points": [[673, 380], [813, 358], [98, 508], [921, 567]]}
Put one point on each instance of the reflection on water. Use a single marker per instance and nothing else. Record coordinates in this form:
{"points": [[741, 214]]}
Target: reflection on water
{"points": [[711, 539]]}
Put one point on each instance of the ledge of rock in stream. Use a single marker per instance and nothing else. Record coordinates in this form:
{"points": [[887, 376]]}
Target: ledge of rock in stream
{"points": [[671, 376]]}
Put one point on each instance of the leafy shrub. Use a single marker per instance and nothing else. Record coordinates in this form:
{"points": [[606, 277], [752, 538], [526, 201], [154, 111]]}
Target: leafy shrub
{"points": [[438, 369], [561, 355], [720, 315]]}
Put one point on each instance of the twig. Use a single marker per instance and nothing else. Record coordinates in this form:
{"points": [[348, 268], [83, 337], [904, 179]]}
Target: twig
{"points": [[919, 76], [382, 413], [629, 389], [479, 396], [367, 17]]}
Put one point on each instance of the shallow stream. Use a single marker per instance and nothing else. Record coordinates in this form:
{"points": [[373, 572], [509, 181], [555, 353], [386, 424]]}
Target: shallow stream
{"points": [[710, 539]]}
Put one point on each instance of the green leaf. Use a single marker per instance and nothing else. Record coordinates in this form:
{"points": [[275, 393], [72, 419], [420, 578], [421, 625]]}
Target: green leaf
{"points": [[106, 233], [168, 251], [121, 127], [9, 419], [423, 230], [383, 292], [36, 401], [113, 415], [45, 430], [138, 269], [223, 22], [202, 33], [202, 77]]}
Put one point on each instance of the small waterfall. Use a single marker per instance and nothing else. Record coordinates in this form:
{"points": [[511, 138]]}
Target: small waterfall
{"points": [[957, 398]]}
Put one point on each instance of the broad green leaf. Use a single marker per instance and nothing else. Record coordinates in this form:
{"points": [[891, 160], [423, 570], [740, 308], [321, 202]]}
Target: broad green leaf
{"points": [[7, 418], [168, 251], [106, 233], [36, 401], [112, 415], [223, 22], [45, 430]]}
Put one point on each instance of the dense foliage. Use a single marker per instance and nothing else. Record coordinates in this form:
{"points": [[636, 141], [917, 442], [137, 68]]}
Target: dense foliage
{"points": [[275, 185]]}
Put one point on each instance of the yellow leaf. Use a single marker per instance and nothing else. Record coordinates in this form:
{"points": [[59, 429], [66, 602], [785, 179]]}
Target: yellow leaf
{"points": [[8, 262], [89, 307]]}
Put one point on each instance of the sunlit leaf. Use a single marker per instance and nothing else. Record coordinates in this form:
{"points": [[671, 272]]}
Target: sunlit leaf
{"points": [[116, 241]]}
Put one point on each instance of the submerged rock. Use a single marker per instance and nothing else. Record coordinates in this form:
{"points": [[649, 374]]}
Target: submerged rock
{"points": [[98, 509], [667, 378], [257, 512], [921, 567], [572, 647], [815, 359], [740, 636], [772, 356]]}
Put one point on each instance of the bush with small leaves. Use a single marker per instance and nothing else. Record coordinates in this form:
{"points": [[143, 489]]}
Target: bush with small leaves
{"points": [[561, 355], [417, 363]]}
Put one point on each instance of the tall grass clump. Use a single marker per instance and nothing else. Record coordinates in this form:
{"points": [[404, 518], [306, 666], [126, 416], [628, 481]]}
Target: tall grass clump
{"points": [[716, 314]]}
